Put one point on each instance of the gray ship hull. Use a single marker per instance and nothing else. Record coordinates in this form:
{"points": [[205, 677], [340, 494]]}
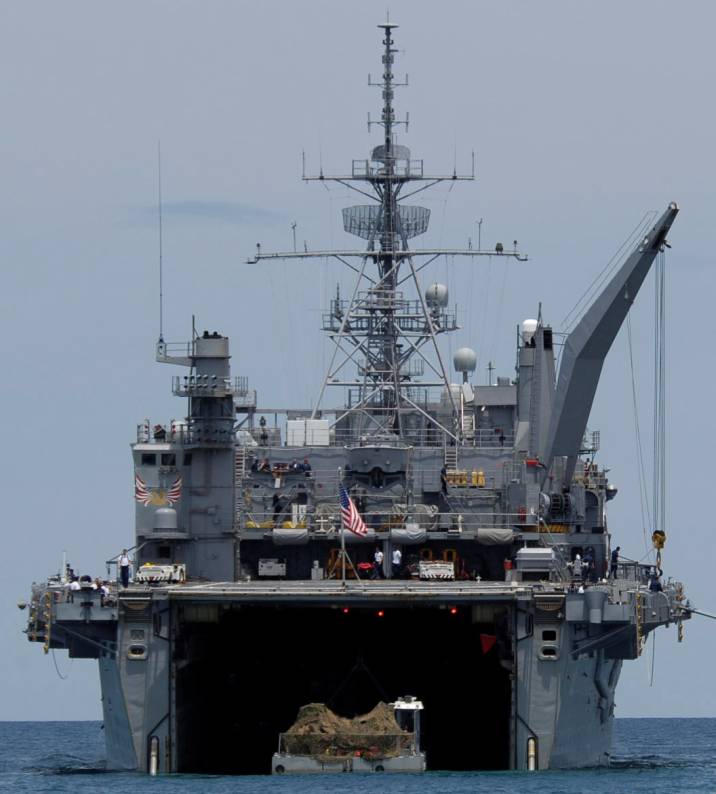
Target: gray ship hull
{"points": [[506, 670]]}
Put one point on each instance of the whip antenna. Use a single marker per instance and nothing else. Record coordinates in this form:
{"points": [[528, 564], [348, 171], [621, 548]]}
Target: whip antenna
{"points": [[161, 263]]}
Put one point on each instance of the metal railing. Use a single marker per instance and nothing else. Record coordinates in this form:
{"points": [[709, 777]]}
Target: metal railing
{"points": [[177, 349], [61, 592], [179, 432], [323, 519], [483, 478], [633, 571], [482, 438], [212, 386], [400, 168]]}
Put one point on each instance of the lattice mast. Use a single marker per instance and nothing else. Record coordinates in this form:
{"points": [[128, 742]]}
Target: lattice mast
{"points": [[390, 339]]}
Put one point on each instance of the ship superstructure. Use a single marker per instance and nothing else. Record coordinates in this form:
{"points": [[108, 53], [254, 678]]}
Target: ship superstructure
{"points": [[500, 611]]}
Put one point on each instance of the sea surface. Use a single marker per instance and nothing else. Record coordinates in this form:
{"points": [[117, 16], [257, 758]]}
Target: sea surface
{"points": [[649, 755]]}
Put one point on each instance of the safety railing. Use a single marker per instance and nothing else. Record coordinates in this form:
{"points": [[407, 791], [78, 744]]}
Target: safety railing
{"points": [[260, 464], [633, 571], [483, 438], [257, 516], [181, 432], [401, 168], [103, 591], [211, 386]]}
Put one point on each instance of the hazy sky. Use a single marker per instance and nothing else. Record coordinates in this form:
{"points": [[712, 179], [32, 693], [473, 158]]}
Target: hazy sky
{"points": [[583, 116]]}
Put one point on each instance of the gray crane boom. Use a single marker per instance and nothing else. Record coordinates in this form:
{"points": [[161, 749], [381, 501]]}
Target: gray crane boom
{"points": [[588, 344]]}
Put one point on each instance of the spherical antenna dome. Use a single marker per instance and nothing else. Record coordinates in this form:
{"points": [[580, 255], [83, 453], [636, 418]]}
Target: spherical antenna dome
{"points": [[436, 295], [465, 360], [529, 328]]}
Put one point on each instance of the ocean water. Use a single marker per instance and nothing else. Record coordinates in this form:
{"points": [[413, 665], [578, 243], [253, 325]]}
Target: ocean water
{"points": [[649, 755]]}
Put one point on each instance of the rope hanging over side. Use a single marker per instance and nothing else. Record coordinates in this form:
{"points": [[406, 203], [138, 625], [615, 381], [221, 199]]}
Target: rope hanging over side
{"points": [[57, 669]]}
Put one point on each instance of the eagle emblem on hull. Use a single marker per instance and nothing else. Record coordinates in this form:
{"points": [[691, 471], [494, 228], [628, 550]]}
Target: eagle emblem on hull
{"points": [[158, 497]]}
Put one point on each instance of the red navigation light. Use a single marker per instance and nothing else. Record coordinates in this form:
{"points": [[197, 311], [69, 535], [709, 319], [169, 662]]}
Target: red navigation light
{"points": [[346, 610], [453, 610], [380, 613]]}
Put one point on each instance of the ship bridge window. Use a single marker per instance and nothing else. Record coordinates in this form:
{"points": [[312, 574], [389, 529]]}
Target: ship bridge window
{"points": [[149, 459], [169, 459]]}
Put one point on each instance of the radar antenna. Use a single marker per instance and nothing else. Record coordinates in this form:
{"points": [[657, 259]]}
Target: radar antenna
{"points": [[389, 337]]}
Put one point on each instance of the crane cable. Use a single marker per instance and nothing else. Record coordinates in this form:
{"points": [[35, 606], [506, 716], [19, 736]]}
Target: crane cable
{"points": [[643, 489], [659, 474]]}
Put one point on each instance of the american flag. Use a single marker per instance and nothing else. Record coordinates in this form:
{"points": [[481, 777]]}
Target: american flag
{"points": [[350, 516]]}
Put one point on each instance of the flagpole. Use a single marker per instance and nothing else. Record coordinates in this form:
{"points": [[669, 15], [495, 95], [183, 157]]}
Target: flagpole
{"points": [[343, 534]]}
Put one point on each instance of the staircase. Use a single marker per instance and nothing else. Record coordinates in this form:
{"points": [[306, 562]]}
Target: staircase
{"points": [[239, 474], [451, 457], [468, 425]]}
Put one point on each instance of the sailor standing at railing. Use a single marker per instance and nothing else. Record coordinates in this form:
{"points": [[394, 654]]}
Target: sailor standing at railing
{"points": [[124, 562], [397, 560], [378, 558], [614, 562]]}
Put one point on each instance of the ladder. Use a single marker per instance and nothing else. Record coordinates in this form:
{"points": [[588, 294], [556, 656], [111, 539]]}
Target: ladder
{"points": [[239, 464], [535, 397], [239, 474], [468, 425], [451, 457]]}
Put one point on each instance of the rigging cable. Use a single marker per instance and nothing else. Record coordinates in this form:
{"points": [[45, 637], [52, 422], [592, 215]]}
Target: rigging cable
{"points": [[57, 669], [653, 658], [643, 488], [486, 305], [659, 480], [585, 299], [498, 314], [161, 257], [659, 472], [470, 307]]}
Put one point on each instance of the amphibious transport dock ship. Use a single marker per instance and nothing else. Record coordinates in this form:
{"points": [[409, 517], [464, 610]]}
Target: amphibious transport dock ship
{"points": [[466, 565]]}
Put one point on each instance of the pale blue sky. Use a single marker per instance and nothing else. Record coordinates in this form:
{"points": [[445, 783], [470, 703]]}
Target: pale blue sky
{"points": [[583, 116]]}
